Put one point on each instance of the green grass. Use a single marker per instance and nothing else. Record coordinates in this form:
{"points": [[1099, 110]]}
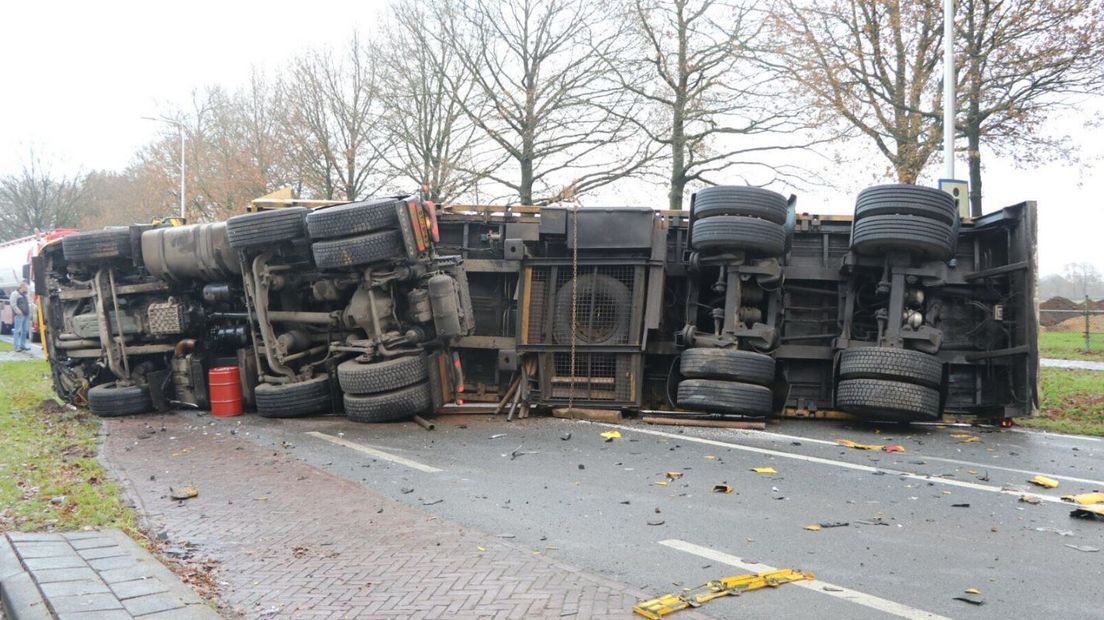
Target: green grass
{"points": [[1071, 346], [1072, 402], [5, 346], [48, 450]]}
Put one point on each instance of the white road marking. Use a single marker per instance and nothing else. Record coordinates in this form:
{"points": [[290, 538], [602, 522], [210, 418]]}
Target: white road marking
{"points": [[817, 585], [842, 464], [379, 454], [783, 436], [1050, 435]]}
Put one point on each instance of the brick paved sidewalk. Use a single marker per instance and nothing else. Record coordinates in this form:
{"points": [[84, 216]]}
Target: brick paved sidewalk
{"points": [[94, 575], [295, 541]]}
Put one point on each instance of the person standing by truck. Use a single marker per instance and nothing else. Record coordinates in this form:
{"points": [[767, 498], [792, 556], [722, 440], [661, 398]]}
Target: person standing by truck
{"points": [[21, 309]]}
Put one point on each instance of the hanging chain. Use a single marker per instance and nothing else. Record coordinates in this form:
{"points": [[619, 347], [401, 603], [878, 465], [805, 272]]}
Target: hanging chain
{"points": [[574, 296]]}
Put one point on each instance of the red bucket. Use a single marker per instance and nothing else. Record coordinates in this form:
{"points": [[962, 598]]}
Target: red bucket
{"points": [[226, 395]]}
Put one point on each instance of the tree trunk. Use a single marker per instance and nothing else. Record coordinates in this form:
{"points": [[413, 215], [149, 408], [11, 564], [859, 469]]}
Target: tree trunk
{"points": [[678, 164], [973, 156], [525, 190]]}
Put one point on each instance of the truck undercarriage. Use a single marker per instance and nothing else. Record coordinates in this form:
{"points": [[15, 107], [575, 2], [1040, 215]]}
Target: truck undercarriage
{"points": [[740, 308]]}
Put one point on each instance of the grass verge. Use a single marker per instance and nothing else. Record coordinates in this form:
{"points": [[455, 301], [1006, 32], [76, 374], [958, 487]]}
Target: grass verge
{"points": [[1072, 402], [5, 346], [1071, 346], [49, 476]]}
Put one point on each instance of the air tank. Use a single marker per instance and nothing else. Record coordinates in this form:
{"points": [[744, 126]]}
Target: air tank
{"points": [[192, 252]]}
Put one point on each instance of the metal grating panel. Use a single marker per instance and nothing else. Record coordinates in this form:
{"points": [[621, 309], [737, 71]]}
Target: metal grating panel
{"points": [[606, 308], [604, 377]]}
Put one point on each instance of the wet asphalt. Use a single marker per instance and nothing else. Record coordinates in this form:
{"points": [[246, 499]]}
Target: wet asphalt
{"points": [[923, 525]]}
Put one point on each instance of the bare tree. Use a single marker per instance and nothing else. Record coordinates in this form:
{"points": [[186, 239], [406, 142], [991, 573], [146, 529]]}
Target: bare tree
{"points": [[435, 141], [702, 67], [1084, 276], [1019, 62], [541, 94], [333, 121], [35, 199], [872, 64]]}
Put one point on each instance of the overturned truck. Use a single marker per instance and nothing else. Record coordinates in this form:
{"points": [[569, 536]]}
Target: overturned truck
{"points": [[392, 307]]}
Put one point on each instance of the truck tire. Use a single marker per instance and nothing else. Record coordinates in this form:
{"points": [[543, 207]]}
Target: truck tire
{"points": [[715, 396], [874, 235], [876, 399], [97, 245], [357, 250], [906, 200], [726, 233], [353, 218], [729, 364], [891, 364], [266, 227], [112, 400], [385, 376], [293, 400], [609, 323], [401, 404], [740, 200]]}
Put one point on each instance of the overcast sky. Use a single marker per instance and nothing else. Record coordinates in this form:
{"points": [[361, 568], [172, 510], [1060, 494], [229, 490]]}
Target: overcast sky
{"points": [[80, 75]]}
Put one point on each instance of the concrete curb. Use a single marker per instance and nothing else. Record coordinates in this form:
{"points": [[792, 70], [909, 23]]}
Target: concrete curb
{"points": [[194, 604], [20, 597]]}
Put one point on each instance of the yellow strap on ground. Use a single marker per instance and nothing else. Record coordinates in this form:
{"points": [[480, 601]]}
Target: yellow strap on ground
{"points": [[726, 586]]}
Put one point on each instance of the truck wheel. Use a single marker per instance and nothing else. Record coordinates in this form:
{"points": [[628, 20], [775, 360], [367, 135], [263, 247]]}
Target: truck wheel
{"points": [[730, 364], [112, 400], [358, 250], [740, 200], [891, 364], [724, 397], [874, 235], [400, 404], [876, 399], [352, 219], [293, 400], [385, 376], [266, 227], [97, 245], [609, 321], [906, 200], [726, 233]]}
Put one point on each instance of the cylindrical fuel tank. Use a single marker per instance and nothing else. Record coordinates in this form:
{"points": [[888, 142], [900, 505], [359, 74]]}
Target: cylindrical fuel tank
{"points": [[226, 393], [446, 311], [192, 252]]}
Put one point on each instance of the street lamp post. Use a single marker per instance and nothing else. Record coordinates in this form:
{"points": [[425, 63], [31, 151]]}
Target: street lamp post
{"points": [[180, 129]]}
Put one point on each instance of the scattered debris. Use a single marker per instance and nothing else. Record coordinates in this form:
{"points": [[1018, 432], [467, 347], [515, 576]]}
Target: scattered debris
{"points": [[432, 502], [299, 551], [710, 457], [735, 585], [828, 524], [656, 522], [893, 448], [57, 500], [972, 601], [1055, 530], [674, 475], [581, 466], [481, 549], [1085, 548], [965, 438], [1089, 512], [813, 528], [764, 470], [1085, 499], [185, 492], [832, 589], [1028, 498], [611, 435], [960, 505], [1045, 482], [424, 423], [847, 443], [722, 488], [973, 591], [498, 435], [506, 536], [406, 490], [660, 483], [565, 437]]}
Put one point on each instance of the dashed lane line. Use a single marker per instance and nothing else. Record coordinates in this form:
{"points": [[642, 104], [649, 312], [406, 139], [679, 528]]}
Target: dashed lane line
{"points": [[379, 454]]}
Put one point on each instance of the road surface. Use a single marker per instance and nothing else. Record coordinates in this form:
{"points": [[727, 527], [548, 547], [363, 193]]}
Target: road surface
{"points": [[924, 525]]}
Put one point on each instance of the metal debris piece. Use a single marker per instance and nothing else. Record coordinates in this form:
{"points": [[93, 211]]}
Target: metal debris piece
{"points": [[1045, 482], [610, 435], [764, 470], [565, 437], [185, 492], [1089, 512], [1085, 548], [1085, 499], [1028, 498], [972, 601], [828, 524], [498, 435], [813, 528], [406, 490], [656, 522], [735, 585], [432, 502], [960, 505], [674, 475], [1055, 530], [722, 488]]}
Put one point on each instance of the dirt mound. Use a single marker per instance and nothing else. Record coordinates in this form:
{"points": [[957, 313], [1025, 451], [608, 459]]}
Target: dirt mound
{"points": [[1077, 324]]}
